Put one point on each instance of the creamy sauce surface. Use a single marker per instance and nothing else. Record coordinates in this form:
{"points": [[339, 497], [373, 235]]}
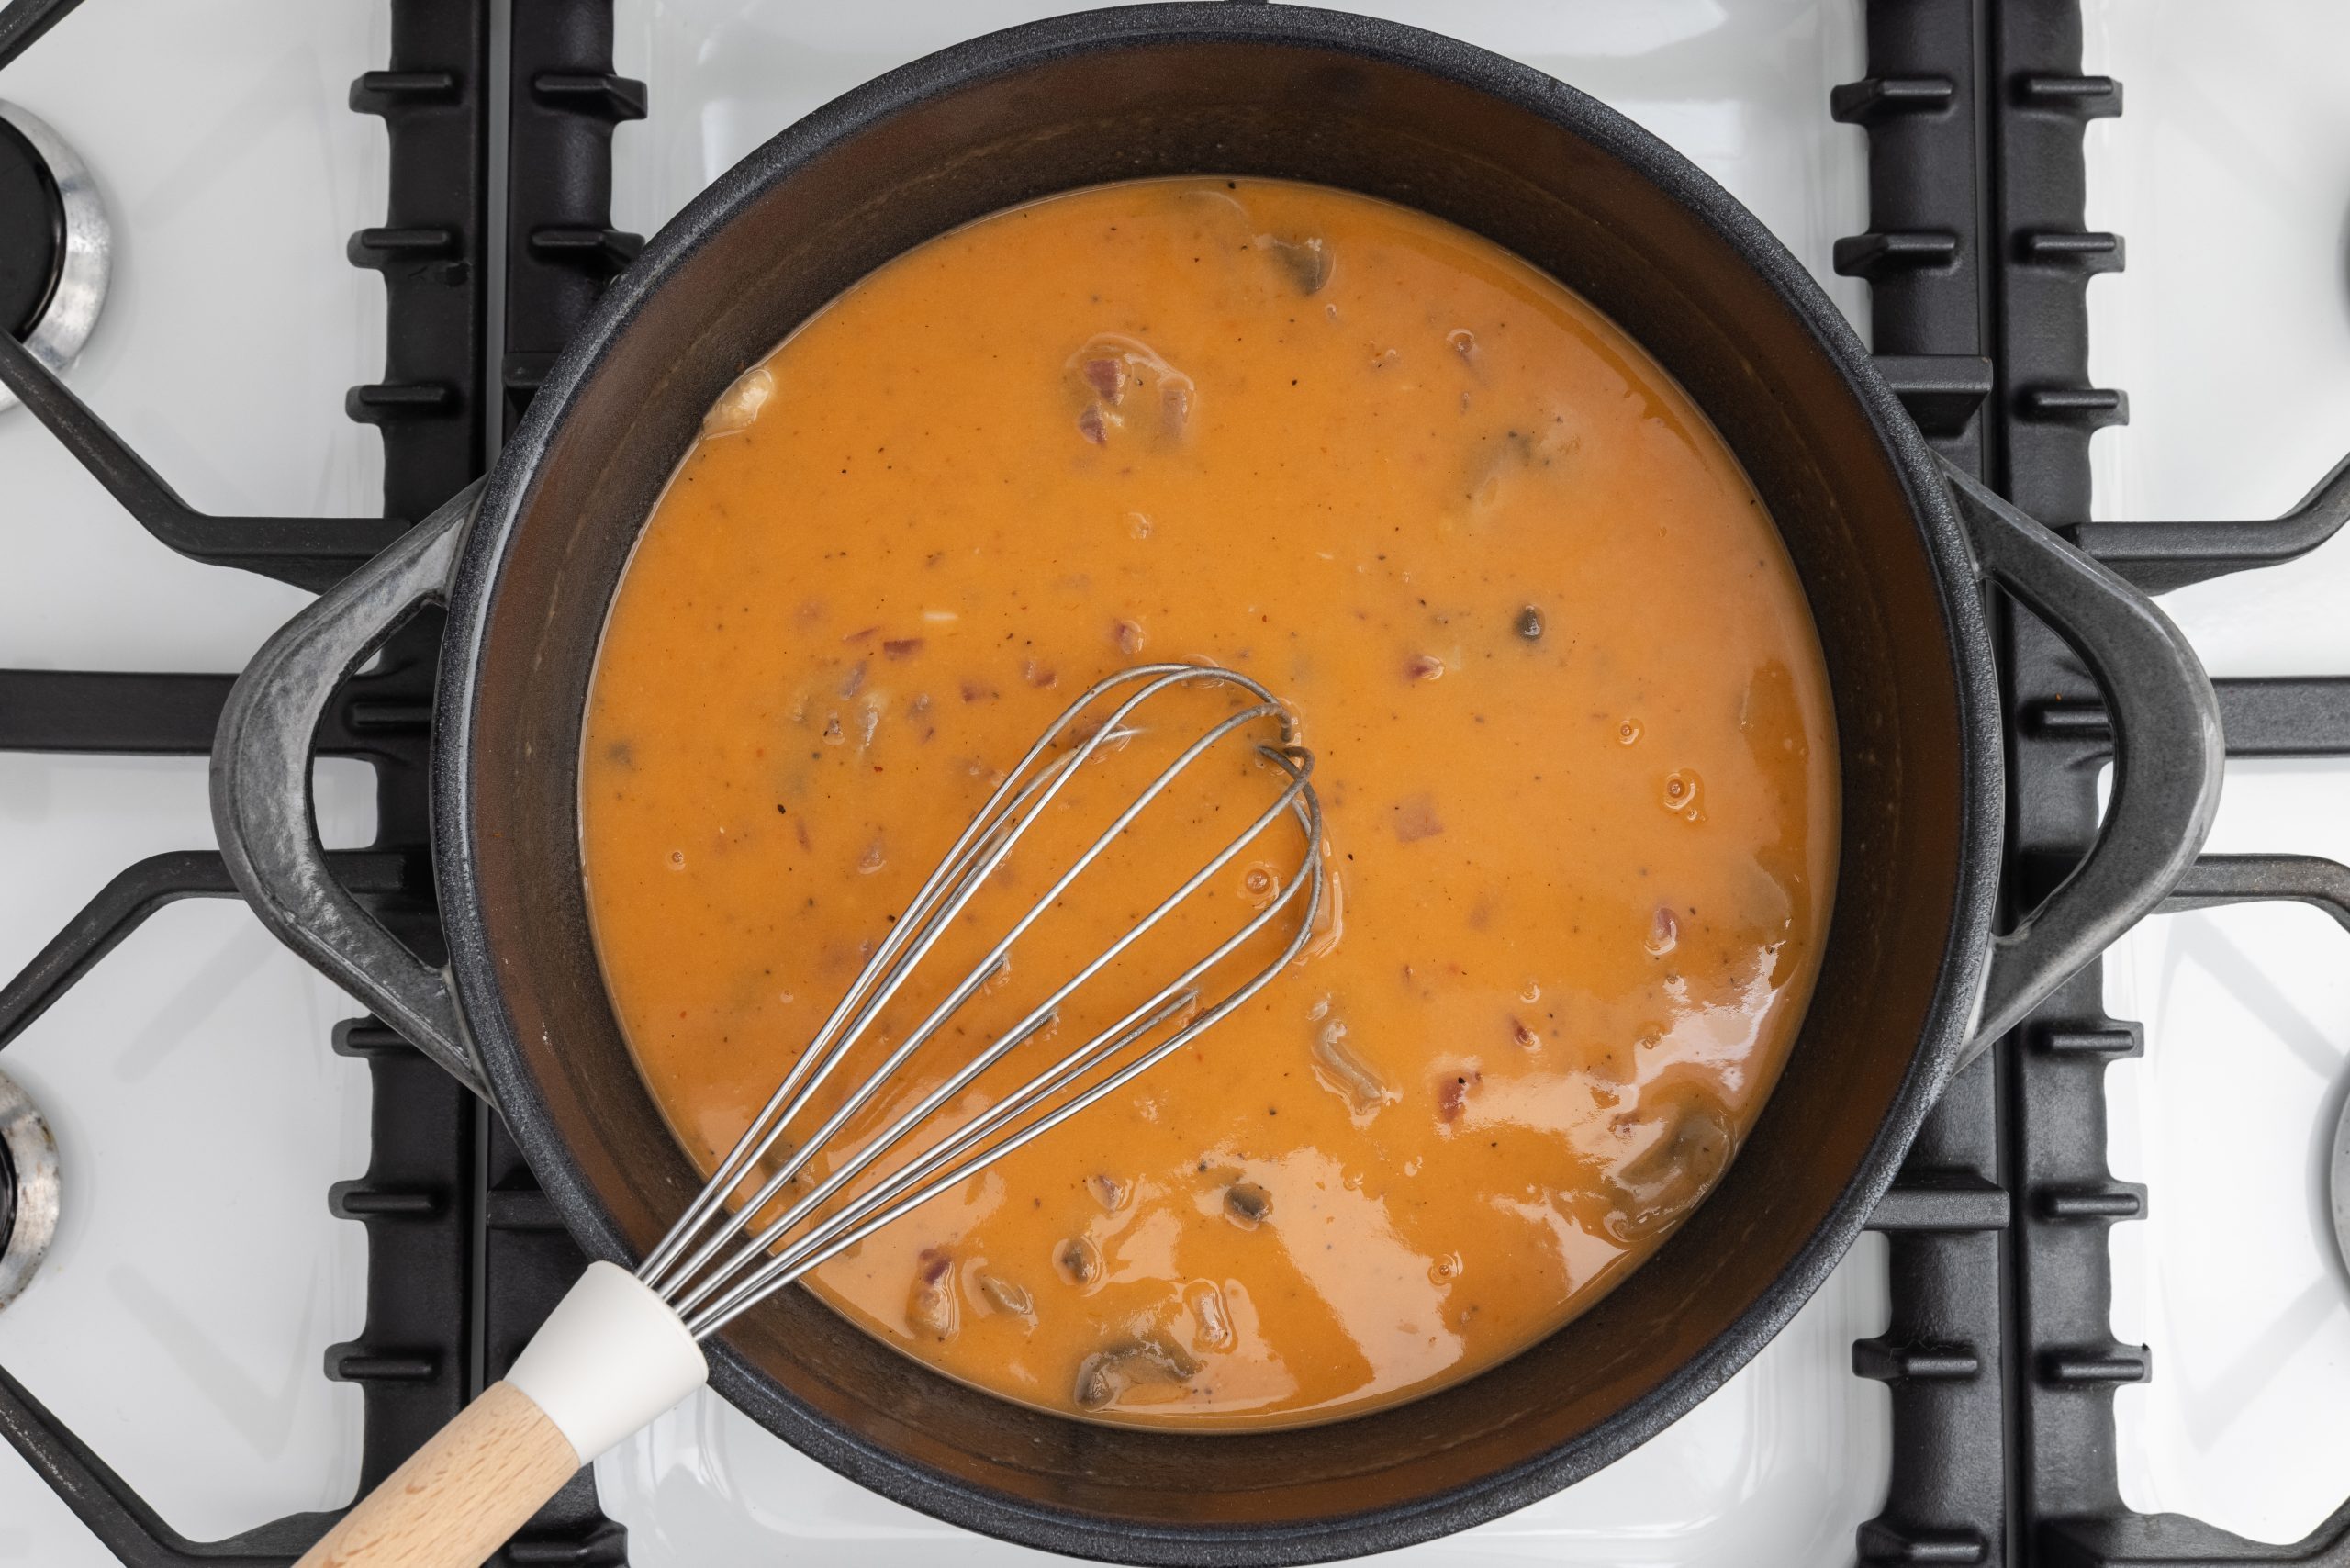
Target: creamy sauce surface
{"points": [[1574, 747]]}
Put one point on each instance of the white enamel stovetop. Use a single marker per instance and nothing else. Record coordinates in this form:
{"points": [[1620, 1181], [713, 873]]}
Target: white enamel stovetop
{"points": [[197, 1279]]}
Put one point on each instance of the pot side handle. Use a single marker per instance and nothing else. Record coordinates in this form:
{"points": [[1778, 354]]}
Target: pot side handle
{"points": [[2168, 754], [262, 809]]}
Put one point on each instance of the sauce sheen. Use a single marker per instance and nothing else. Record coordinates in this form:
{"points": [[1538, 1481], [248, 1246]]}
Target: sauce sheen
{"points": [[1574, 750]]}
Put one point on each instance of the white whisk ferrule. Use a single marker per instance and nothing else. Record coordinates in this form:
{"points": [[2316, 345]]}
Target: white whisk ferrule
{"points": [[611, 1357]]}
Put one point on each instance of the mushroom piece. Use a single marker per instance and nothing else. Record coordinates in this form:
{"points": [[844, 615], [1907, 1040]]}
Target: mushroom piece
{"points": [[1127, 1362], [738, 407], [1353, 1077], [1006, 1296], [1307, 261], [1123, 389], [1079, 1260], [1247, 1203], [1656, 1187]]}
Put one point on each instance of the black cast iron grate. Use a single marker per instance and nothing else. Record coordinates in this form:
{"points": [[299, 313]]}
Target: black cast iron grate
{"points": [[464, 1255], [2000, 1353]]}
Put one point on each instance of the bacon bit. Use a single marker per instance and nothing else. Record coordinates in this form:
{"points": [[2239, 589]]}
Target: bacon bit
{"points": [[931, 1309], [1039, 675], [1127, 634], [1423, 666], [853, 679], [1109, 1191], [979, 692], [1524, 1035], [901, 647], [1105, 376], [1090, 425], [1453, 1094], [1415, 819], [860, 634], [873, 859], [1529, 623]]}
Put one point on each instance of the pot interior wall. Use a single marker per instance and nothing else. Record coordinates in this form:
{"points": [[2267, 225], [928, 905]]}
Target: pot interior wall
{"points": [[808, 216]]}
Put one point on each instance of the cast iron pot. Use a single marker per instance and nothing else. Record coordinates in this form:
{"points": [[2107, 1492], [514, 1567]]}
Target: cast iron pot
{"points": [[1893, 548]]}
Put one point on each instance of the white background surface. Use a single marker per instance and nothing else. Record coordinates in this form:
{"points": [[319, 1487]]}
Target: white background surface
{"points": [[181, 1322], [2228, 177], [202, 1116]]}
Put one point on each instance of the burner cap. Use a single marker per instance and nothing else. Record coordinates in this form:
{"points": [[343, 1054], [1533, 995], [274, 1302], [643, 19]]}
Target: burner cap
{"points": [[2340, 1185], [55, 247], [32, 233], [29, 1190]]}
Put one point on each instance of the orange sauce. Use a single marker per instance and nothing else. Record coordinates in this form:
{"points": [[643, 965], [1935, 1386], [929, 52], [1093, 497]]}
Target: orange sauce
{"points": [[1574, 738]]}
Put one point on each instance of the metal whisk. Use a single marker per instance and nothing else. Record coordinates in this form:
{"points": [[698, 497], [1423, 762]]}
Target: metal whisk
{"points": [[710, 1284], [619, 1349]]}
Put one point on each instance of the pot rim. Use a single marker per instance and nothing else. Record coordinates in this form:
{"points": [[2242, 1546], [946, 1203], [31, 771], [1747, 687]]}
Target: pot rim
{"points": [[1965, 956]]}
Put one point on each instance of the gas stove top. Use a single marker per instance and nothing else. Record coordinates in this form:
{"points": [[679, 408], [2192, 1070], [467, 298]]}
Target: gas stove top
{"points": [[2091, 1298]]}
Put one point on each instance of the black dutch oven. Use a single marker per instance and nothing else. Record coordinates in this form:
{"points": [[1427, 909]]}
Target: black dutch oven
{"points": [[1894, 549]]}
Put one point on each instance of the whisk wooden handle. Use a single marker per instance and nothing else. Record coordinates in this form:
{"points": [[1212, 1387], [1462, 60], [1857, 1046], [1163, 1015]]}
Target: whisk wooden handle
{"points": [[610, 1358], [459, 1495]]}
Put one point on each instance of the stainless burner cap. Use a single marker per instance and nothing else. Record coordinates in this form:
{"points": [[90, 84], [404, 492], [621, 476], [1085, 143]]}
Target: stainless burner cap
{"points": [[29, 1190], [74, 256], [2340, 1185]]}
